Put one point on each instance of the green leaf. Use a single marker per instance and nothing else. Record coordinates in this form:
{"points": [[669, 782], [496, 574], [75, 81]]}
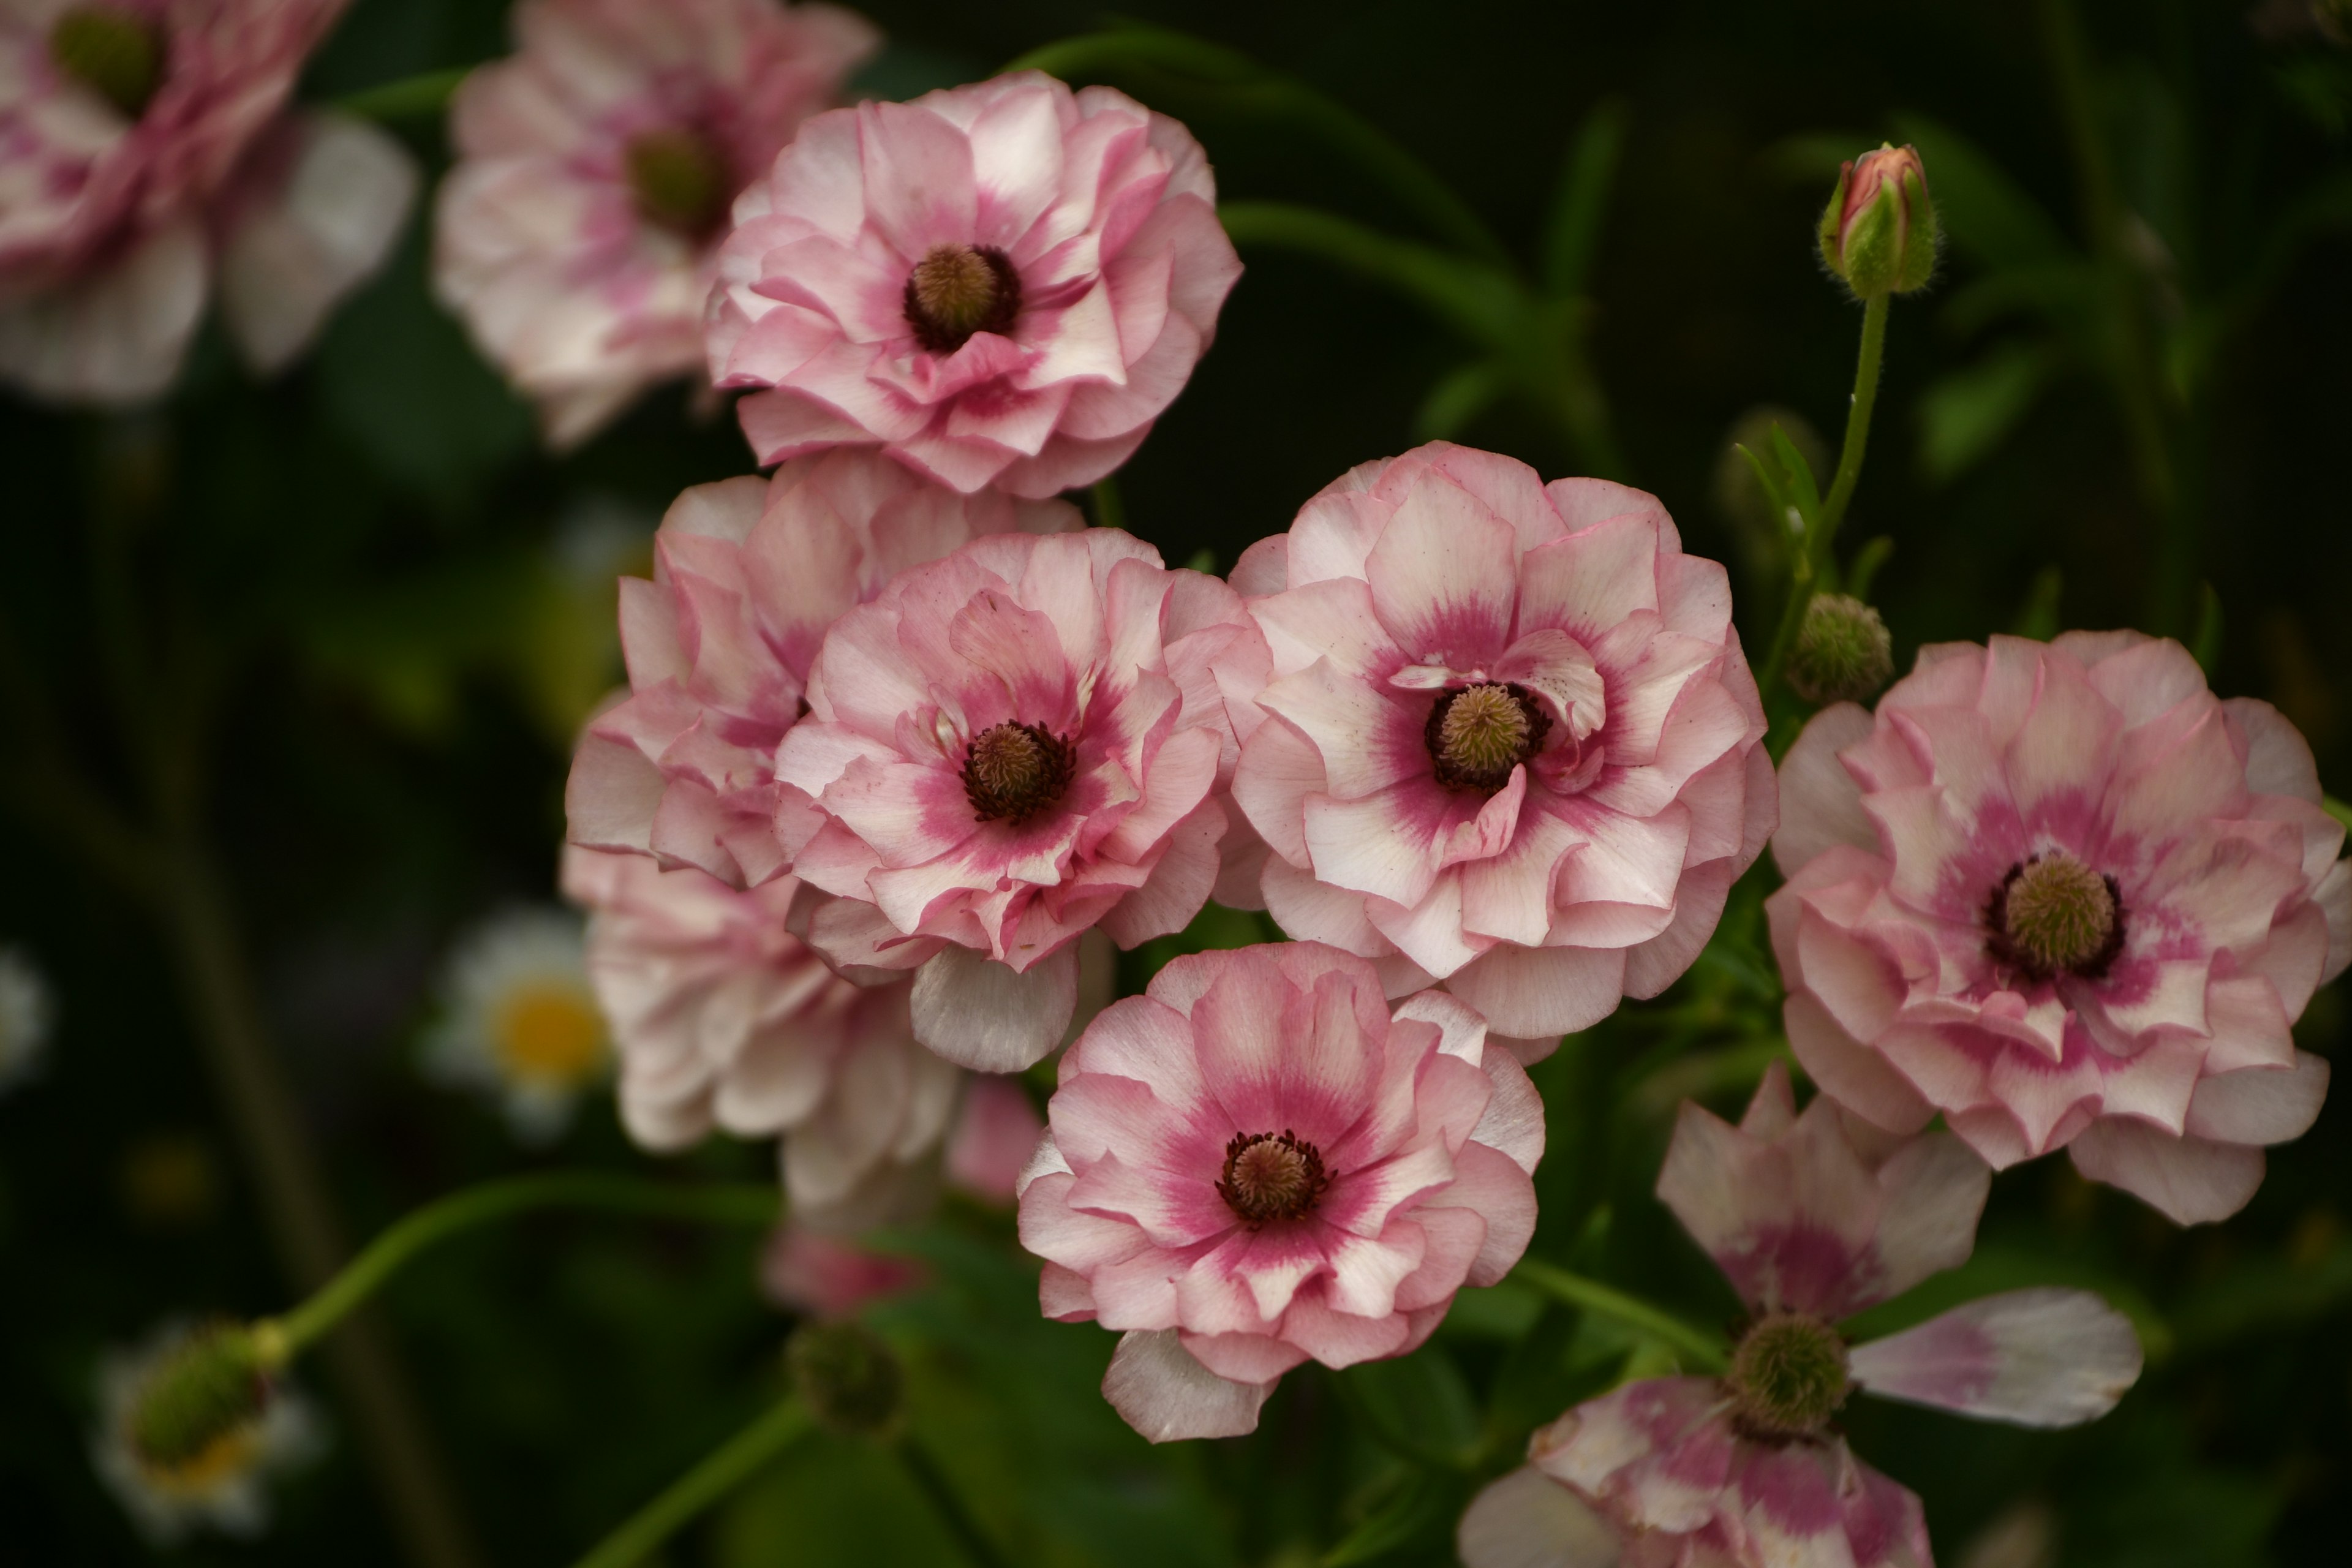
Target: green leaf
{"points": [[2206, 644], [1799, 474], [1417, 1512], [1481, 301], [1419, 1405], [1964, 415], [1573, 232], [1459, 396], [2037, 617], [1986, 213]]}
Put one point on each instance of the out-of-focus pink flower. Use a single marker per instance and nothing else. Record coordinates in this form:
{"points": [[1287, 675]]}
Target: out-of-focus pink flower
{"points": [[148, 161], [1812, 1218], [748, 574], [723, 1017], [2064, 896], [1253, 1163], [1002, 285], [577, 233], [1511, 742], [995, 1135], [1006, 748], [828, 1276]]}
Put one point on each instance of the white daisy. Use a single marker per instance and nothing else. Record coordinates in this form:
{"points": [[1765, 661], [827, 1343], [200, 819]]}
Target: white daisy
{"points": [[519, 1022], [200, 1449], [27, 1009]]}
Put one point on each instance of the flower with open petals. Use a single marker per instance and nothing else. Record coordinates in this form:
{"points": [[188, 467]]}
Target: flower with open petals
{"points": [[748, 574], [1511, 742], [2064, 896], [1254, 1163], [1000, 285], [1005, 749], [147, 160], [518, 1022], [579, 230], [1812, 1218]]}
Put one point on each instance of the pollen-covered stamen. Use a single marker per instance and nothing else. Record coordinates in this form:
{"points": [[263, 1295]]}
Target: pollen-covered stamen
{"points": [[2053, 915], [678, 180], [1015, 771], [1478, 735], [1271, 1176], [956, 290], [117, 54], [1788, 1377]]}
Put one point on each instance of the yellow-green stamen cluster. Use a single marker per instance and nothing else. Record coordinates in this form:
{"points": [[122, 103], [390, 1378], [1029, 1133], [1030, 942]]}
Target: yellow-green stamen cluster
{"points": [[2053, 915], [1788, 1377], [1477, 735]]}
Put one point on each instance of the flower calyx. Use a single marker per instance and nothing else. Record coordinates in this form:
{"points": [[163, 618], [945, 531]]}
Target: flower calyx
{"points": [[1879, 232], [956, 290], [1272, 1176], [1788, 1377], [118, 54], [1014, 772], [2053, 915], [1477, 734]]}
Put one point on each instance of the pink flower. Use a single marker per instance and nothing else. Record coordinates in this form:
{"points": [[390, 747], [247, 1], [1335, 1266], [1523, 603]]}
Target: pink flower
{"points": [[1511, 742], [724, 1018], [2064, 896], [1812, 1218], [148, 159], [827, 1276], [1253, 1163], [995, 1135], [748, 574], [579, 231], [1001, 284], [1004, 749]]}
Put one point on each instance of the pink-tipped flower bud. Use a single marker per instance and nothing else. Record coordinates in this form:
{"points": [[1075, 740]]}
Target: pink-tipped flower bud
{"points": [[1878, 233]]}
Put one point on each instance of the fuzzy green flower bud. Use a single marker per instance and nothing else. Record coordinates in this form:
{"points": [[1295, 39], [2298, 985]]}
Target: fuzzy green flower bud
{"points": [[1843, 653], [197, 1409], [1879, 233], [848, 1376]]}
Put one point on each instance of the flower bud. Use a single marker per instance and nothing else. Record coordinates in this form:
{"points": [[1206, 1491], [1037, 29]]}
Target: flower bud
{"points": [[1842, 652], [848, 1375], [1878, 233]]}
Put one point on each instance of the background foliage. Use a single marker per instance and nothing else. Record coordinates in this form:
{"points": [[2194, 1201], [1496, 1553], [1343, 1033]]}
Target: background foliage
{"points": [[380, 611]]}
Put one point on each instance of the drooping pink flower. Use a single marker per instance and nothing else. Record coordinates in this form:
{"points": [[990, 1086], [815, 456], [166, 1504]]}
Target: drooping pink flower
{"points": [[2066, 897], [724, 1018], [1254, 1163], [748, 574], [579, 232], [1812, 1218], [1511, 744], [1002, 284], [147, 160], [1004, 749], [827, 1276]]}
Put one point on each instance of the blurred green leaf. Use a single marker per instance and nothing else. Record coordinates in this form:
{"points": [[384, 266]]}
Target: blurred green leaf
{"points": [[2037, 616], [1986, 213], [1573, 232], [1419, 1404], [1964, 416], [1417, 1511], [1459, 397]]}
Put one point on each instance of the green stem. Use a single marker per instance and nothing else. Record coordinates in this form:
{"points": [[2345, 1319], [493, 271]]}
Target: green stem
{"points": [[410, 98], [1702, 1350], [934, 1485], [731, 1203], [1110, 507], [733, 1463]]}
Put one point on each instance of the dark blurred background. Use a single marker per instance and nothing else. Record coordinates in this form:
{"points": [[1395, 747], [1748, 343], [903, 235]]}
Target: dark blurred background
{"points": [[389, 609]]}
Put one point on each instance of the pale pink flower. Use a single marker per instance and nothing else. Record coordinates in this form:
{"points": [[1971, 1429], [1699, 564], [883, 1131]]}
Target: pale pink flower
{"points": [[995, 1134], [577, 233], [1002, 284], [1007, 748], [827, 1276], [149, 160], [1511, 742], [723, 1018], [1812, 1218], [748, 574], [1254, 1163], [2067, 897]]}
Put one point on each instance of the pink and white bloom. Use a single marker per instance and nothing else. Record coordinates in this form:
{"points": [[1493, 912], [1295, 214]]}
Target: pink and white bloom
{"points": [[1005, 749], [2067, 897], [1254, 1163], [1511, 742], [1002, 284], [578, 234], [1812, 1218], [748, 574], [148, 162]]}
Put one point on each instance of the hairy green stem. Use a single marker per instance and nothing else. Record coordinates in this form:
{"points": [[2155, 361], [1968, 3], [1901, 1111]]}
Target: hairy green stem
{"points": [[1700, 1350], [734, 1203], [727, 1466]]}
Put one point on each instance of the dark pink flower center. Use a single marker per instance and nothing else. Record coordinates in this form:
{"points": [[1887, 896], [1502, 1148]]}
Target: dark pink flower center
{"points": [[678, 180], [1478, 735], [1015, 771], [956, 290], [2053, 915], [1271, 1177], [1788, 1377], [118, 55]]}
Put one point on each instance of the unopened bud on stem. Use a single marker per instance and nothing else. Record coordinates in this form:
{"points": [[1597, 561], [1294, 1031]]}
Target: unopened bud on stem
{"points": [[1843, 654], [848, 1376], [1878, 233]]}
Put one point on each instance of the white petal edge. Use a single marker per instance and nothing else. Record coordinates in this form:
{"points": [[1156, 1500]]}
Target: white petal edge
{"points": [[2043, 1357], [1160, 1391]]}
